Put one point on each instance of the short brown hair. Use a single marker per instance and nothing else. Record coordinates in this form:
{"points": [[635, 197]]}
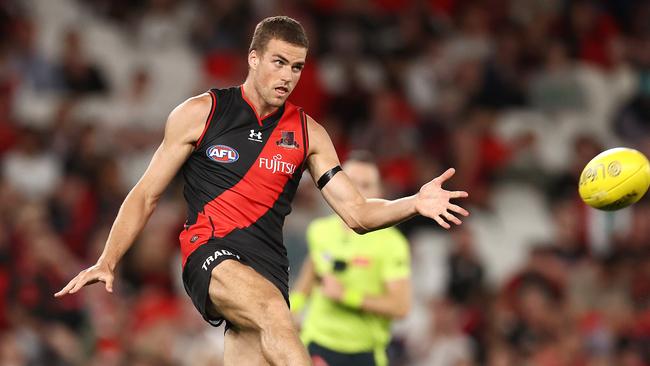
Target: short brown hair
{"points": [[281, 27]]}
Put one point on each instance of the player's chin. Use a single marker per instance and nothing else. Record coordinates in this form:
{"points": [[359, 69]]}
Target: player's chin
{"points": [[278, 101]]}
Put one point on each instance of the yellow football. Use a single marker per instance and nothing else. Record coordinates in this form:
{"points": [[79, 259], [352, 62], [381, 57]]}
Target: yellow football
{"points": [[614, 179]]}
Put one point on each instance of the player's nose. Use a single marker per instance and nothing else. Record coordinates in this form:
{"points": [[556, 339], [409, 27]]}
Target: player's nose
{"points": [[285, 74]]}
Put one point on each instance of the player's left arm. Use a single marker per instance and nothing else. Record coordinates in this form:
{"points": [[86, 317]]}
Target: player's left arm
{"points": [[395, 303], [363, 214]]}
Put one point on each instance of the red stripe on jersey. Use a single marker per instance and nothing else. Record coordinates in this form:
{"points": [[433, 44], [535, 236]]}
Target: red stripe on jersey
{"points": [[199, 233], [305, 130], [256, 192], [209, 120]]}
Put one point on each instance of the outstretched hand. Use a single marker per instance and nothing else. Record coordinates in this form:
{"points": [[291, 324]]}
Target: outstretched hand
{"points": [[96, 273], [433, 201]]}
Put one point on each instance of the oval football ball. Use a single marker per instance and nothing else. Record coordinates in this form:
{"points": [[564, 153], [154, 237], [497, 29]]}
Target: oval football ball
{"points": [[614, 179]]}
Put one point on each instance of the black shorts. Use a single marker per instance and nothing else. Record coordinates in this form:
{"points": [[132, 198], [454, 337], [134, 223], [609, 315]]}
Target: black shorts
{"points": [[333, 358], [198, 272]]}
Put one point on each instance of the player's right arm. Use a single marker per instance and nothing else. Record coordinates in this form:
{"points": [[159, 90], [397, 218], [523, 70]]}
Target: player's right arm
{"points": [[183, 129]]}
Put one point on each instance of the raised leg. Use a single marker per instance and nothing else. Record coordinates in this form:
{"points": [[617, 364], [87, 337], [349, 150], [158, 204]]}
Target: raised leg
{"points": [[257, 310]]}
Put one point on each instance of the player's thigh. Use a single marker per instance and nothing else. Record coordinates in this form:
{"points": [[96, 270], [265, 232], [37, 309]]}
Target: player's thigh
{"points": [[243, 347], [247, 299]]}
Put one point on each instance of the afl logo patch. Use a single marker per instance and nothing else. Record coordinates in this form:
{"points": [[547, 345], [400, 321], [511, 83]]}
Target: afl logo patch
{"points": [[222, 154]]}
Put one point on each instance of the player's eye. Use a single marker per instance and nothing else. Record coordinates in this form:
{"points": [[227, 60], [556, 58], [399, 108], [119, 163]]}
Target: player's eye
{"points": [[297, 68], [279, 62]]}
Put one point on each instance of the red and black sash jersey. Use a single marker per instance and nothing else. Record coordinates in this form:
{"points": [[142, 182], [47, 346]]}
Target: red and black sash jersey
{"points": [[242, 176]]}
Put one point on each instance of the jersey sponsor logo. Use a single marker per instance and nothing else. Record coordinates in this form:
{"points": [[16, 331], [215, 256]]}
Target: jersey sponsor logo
{"points": [[255, 136], [288, 140], [222, 154], [360, 261], [213, 257], [276, 165]]}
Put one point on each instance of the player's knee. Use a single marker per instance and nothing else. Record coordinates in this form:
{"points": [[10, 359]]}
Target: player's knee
{"points": [[264, 315], [278, 327], [279, 333], [274, 312], [245, 299]]}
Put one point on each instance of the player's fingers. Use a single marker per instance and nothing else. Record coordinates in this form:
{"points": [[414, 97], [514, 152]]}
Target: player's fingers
{"points": [[83, 281], [458, 194], [444, 176], [452, 218], [79, 284], [459, 210], [109, 283], [67, 288], [441, 222]]}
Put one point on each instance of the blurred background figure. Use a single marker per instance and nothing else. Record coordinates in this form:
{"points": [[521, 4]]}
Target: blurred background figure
{"points": [[518, 95], [352, 285]]}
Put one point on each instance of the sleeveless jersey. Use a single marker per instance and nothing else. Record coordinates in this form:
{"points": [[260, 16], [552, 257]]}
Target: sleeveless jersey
{"points": [[241, 178]]}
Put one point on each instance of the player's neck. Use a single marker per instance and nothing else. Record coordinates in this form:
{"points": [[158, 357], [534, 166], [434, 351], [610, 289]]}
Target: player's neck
{"points": [[261, 108]]}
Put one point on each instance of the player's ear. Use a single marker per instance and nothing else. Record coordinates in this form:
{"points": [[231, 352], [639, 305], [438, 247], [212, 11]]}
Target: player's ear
{"points": [[253, 59]]}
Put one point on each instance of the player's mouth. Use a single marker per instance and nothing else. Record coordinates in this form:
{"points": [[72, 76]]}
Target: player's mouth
{"points": [[282, 90]]}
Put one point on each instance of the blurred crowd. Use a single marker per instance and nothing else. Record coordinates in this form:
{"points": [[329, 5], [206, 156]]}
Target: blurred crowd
{"points": [[517, 95]]}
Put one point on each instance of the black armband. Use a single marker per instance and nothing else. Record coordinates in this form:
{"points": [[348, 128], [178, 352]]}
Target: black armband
{"points": [[325, 178]]}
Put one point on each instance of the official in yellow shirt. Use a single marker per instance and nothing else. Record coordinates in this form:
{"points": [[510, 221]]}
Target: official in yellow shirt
{"points": [[352, 285]]}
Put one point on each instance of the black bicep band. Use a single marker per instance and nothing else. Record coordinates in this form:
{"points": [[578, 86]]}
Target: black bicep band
{"points": [[325, 178]]}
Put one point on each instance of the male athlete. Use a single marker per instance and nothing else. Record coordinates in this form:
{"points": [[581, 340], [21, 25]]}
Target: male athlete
{"points": [[242, 151], [363, 281]]}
